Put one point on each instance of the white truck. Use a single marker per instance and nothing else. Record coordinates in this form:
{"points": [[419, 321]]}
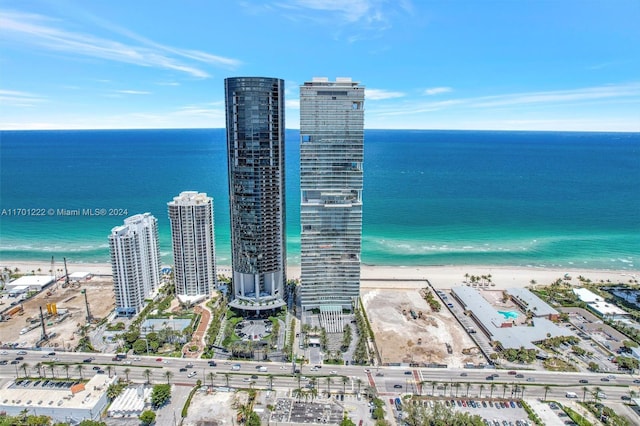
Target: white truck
{"points": [[571, 395]]}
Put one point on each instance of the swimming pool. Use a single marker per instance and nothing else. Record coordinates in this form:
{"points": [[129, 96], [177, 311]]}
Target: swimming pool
{"points": [[508, 314]]}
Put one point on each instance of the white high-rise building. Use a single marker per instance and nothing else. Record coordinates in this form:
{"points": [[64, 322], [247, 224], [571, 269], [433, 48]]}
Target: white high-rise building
{"points": [[191, 216], [135, 262], [331, 156]]}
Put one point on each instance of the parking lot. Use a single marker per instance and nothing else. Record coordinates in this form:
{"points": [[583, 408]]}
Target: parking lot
{"points": [[42, 384], [501, 412], [291, 411]]}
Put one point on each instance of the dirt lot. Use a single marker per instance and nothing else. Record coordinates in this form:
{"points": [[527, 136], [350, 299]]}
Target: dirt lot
{"points": [[402, 339], [101, 303], [215, 409]]}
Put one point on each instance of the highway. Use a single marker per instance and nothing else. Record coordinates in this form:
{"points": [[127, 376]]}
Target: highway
{"points": [[387, 380]]}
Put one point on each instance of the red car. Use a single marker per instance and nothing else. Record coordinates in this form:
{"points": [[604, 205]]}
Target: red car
{"points": [[159, 359]]}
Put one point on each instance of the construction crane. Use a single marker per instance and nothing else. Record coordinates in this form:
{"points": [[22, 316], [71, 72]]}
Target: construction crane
{"points": [[86, 302], [66, 273]]}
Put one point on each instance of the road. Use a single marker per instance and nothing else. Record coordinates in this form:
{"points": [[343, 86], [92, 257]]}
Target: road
{"points": [[387, 380]]}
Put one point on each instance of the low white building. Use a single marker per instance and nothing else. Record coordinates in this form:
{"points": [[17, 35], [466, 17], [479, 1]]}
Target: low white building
{"points": [[32, 282], [131, 402], [80, 276], [63, 404], [586, 296], [607, 310]]}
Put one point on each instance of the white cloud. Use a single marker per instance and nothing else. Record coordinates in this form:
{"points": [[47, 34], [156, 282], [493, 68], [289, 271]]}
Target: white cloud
{"points": [[352, 20], [292, 103], [15, 98], [37, 30], [559, 96], [380, 94], [437, 90], [133, 92]]}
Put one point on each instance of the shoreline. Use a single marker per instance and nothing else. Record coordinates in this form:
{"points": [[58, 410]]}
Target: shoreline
{"points": [[384, 276]]}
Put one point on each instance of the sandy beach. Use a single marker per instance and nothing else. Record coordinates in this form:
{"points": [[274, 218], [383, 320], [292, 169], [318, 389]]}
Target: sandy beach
{"points": [[396, 276]]}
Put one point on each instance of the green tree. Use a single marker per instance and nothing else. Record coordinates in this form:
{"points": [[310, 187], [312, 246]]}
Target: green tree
{"points": [[92, 423], [147, 417], [253, 419], [547, 388], [346, 421], [79, 369], [160, 395], [168, 374], [113, 391], [147, 373]]}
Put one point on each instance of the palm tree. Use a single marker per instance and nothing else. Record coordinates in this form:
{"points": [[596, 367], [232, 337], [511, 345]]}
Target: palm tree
{"points": [[226, 378], [109, 368], [168, 374], [492, 388], [24, 367], [211, 375], [457, 386], [466, 277], [584, 393], [444, 385], [66, 369], [468, 385], [270, 379], [313, 392], [345, 380], [329, 380], [481, 389], [51, 367], [147, 373], [297, 393], [359, 383], [126, 373], [596, 394], [433, 387], [547, 388], [38, 366], [504, 389], [79, 368]]}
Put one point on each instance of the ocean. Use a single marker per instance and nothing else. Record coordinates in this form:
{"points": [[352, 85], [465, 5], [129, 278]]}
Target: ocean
{"points": [[544, 199]]}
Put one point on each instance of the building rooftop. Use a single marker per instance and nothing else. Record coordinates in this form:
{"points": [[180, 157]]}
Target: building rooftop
{"points": [[32, 280], [31, 396], [586, 295], [607, 309], [483, 311], [536, 305], [509, 337]]}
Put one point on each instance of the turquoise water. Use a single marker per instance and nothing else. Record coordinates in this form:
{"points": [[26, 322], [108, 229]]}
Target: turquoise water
{"points": [[549, 199], [508, 314]]}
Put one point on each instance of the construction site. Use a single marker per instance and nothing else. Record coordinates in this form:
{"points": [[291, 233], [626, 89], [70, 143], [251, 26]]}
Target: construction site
{"points": [[57, 315], [408, 331]]}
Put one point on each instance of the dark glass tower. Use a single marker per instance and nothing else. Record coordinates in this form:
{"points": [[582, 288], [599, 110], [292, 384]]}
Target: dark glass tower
{"points": [[255, 153]]}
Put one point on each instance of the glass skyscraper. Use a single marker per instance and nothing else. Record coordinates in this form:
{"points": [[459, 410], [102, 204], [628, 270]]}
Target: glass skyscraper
{"points": [[331, 156], [256, 167]]}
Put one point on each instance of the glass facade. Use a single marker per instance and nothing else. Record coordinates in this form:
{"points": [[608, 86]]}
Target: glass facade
{"points": [[331, 157], [256, 167]]}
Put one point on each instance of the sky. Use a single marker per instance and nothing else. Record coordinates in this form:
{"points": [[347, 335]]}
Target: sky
{"points": [[425, 64]]}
